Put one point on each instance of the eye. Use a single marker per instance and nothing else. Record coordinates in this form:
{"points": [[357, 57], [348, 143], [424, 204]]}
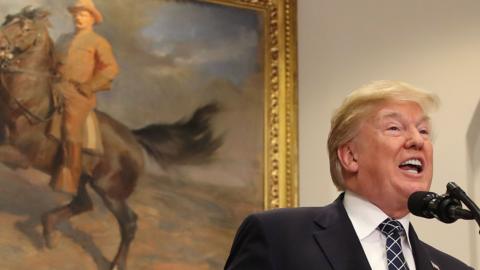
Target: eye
{"points": [[424, 131], [393, 128]]}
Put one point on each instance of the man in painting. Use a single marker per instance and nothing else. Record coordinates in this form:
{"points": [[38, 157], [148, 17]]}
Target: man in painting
{"points": [[380, 153], [85, 65]]}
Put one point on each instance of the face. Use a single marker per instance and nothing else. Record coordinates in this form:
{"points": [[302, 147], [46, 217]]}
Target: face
{"points": [[392, 156], [83, 19]]}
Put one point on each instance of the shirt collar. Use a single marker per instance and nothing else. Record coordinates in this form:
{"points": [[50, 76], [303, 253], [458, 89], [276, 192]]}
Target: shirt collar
{"points": [[365, 216]]}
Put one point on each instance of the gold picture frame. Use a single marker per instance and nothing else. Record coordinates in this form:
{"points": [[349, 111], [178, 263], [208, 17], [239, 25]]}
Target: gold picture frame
{"points": [[281, 105]]}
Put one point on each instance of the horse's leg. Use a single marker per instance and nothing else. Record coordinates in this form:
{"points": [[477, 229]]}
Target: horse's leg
{"points": [[79, 204], [127, 221]]}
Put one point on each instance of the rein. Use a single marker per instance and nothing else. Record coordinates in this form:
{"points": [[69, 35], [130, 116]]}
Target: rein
{"points": [[8, 69]]}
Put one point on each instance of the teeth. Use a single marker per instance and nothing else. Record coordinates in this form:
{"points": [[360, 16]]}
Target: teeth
{"points": [[415, 165], [414, 162]]}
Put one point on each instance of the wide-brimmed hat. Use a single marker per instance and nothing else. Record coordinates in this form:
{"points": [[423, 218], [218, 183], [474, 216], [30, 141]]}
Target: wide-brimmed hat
{"points": [[89, 6]]}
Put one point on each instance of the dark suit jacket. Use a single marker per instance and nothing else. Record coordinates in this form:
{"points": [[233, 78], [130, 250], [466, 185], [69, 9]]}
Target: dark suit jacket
{"points": [[314, 238]]}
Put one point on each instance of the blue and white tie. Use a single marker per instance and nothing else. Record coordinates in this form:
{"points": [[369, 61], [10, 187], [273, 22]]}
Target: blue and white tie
{"points": [[392, 229]]}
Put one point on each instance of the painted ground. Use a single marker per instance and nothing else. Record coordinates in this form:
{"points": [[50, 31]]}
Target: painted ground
{"points": [[181, 225]]}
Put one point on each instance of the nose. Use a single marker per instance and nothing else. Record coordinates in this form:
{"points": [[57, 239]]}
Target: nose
{"points": [[415, 140]]}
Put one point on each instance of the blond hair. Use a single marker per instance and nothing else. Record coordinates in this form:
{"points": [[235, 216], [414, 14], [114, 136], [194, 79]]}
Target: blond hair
{"points": [[358, 105]]}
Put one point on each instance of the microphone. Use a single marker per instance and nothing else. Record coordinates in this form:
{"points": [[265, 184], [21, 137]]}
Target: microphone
{"points": [[442, 207]]}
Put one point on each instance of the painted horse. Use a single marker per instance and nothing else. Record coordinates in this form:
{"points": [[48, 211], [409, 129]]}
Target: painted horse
{"points": [[27, 105]]}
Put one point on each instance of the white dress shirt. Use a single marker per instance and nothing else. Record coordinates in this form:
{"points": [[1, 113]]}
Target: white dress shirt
{"points": [[365, 218]]}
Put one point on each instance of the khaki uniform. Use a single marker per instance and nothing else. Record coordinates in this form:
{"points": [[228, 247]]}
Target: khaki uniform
{"points": [[85, 65], [83, 58]]}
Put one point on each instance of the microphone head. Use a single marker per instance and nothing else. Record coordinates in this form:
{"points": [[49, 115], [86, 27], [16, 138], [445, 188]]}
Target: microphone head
{"points": [[418, 203]]}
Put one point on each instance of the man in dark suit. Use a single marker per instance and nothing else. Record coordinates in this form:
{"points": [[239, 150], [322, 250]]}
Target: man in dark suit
{"points": [[380, 152]]}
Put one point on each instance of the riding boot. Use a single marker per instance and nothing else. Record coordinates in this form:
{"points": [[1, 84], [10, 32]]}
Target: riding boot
{"points": [[75, 165], [67, 177]]}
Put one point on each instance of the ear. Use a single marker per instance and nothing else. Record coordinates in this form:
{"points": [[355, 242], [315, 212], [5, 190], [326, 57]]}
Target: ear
{"points": [[41, 14], [348, 157], [8, 18]]}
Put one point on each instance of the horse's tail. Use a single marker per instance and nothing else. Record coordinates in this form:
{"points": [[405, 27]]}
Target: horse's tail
{"points": [[186, 141]]}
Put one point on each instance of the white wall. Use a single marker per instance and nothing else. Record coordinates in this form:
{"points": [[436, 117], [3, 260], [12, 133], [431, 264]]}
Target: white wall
{"points": [[432, 44]]}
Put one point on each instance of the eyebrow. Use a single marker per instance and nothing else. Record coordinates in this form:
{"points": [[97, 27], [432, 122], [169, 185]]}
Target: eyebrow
{"points": [[397, 115]]}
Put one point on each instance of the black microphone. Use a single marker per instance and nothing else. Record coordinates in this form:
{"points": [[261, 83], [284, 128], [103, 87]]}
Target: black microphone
{"points": [[442, 207]]}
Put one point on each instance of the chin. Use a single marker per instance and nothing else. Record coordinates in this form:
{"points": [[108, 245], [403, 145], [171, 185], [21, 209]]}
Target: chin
{"points": [[416, 188]]}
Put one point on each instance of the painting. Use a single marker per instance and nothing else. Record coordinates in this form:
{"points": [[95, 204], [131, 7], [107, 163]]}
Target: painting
{"points": [[174, 58]]}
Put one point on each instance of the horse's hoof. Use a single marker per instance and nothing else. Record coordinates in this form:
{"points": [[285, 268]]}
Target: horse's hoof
{"points": [[52, 239], [50, 236]]}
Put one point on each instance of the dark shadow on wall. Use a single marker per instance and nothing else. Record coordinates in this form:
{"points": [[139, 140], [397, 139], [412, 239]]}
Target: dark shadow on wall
{"points": [[473, 166]]}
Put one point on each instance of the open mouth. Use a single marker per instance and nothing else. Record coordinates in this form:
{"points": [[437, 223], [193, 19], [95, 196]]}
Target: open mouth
{"points": [[413, 166]]}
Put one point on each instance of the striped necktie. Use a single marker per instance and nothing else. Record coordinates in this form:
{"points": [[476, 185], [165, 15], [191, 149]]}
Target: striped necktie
{"points": [[392, 229]]}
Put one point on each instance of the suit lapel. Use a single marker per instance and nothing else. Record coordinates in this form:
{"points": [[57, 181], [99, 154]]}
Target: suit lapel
{"points": [[337, 239], [423, 261]]}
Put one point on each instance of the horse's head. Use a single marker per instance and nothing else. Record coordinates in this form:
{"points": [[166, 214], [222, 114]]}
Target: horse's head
{"points": [[26, 63], [21, 32]]}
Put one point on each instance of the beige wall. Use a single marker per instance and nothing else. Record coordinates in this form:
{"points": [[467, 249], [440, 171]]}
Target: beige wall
{"points": [[433, 44]]}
